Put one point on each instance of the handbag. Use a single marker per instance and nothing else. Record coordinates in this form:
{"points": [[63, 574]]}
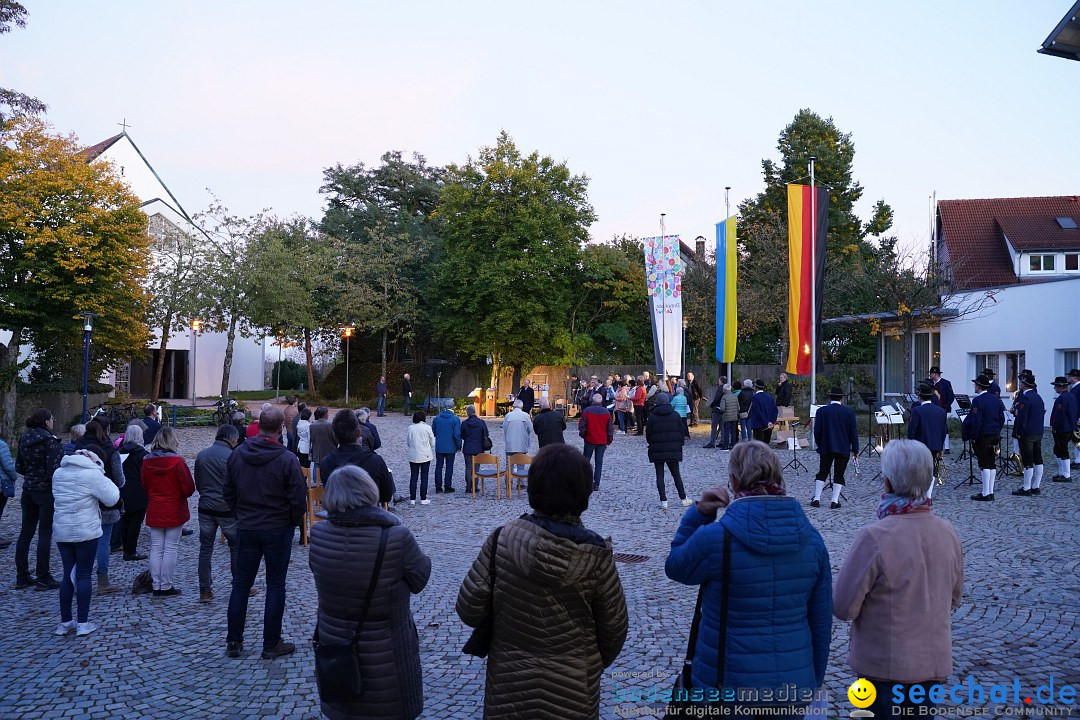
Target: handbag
{"points": [[337, 665], [681, 706], [486, 441], [479, 642]]}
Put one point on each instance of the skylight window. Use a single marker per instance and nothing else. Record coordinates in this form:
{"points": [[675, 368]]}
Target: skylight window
{"points": [[1066, 223]]}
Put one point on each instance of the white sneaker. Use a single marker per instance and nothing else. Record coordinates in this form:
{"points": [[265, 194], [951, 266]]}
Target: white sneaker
{"points": [[687, 502], [85, 629], [663, 504], [65, 627], [412, 502], [425, 502]]}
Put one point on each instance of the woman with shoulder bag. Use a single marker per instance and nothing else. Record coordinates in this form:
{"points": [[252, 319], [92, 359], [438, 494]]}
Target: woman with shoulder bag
{"points": [[168, 484], [366, 564]]}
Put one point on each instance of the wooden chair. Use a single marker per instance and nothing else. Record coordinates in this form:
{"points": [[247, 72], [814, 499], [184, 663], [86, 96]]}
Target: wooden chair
{"points": [[512, 462], [314, 505], [480, 475]]}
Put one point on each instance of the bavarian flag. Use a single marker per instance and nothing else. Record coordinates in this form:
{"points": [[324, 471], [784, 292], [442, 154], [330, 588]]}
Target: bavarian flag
{"points": [[726, 280], [806, 270]]}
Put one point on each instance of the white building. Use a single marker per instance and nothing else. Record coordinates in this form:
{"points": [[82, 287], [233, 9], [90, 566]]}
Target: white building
{"points": [[188, 361], [1018, 261]]}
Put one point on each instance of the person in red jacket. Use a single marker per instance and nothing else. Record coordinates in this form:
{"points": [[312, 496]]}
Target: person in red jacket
{"points": [[168, 484], [597, 430]]}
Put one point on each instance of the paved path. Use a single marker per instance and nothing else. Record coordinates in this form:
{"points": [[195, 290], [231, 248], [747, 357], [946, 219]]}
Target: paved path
{"points": [[165, 658]]}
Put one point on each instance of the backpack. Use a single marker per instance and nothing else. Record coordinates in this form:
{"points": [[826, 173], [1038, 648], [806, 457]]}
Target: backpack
{"points": [[143, 583]]}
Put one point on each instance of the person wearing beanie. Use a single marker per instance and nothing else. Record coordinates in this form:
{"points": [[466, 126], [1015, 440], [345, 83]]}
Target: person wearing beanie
{"points": [[1028, 430], [836, 436], [982, 428], [1063, 419], [929, 425], [763, 413]]}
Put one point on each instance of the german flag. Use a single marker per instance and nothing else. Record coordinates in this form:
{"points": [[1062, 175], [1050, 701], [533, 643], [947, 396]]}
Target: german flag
{"points": [[806, 269]]}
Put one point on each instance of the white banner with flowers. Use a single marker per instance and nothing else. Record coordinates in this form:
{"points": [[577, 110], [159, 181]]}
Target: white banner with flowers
{"points": [[663, 275]]}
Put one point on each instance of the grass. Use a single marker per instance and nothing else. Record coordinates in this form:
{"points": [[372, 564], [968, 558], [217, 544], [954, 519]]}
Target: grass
{"points": [[264, 394]]}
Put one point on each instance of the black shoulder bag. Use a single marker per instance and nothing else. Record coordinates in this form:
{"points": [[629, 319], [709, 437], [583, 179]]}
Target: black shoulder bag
{"points": [[479, 642], [337, 665], [680, 704], [486, 441]]}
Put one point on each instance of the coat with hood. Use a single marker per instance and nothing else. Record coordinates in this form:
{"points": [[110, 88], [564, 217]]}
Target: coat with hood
{"points": [[729, 406], [664, 433], [168, 484], [39, 455], [133, 493], [342, 559], [264, 486], [447, 429], [360, 456], [79, 488], [559, 618], [779, 620], [473, 432], [114, 470]]}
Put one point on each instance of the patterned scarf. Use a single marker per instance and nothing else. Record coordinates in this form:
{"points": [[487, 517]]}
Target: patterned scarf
{"points": [[765, 488], [895, 505]]}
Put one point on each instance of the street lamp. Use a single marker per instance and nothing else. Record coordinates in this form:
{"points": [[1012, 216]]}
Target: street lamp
{"points": [[195, 325], [685, 324], [347, 333], [88, 327]]}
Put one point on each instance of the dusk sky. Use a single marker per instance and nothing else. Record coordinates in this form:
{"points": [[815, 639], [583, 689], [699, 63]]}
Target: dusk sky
{"points": [[660, 104]]}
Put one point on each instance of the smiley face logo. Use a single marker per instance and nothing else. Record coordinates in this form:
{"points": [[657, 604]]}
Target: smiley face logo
{"points": [[862, 693]]}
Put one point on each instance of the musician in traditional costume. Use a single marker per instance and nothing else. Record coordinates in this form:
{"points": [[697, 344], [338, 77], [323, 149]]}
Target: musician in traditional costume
{"points": [[929, 425], [1028, 430], [982, 428], [837, 439], [1063, 419], [943, 396]]}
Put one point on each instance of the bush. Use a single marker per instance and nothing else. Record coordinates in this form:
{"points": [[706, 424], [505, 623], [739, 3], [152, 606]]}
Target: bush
{"points": [[62, 386], [293, 374]]}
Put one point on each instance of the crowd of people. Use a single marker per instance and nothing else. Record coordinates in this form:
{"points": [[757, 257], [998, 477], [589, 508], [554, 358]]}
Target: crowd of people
{"points": [[556, 613]]}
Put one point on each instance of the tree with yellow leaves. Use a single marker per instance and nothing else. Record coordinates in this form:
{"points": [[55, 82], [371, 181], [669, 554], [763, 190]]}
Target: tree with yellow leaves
{"points": [[72, 240]]}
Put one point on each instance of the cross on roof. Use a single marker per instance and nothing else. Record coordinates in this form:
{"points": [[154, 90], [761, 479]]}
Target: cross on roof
{"points": [[124, 125]]}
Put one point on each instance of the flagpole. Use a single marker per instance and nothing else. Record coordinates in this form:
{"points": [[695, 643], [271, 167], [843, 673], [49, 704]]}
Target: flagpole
{"points": [[727, 216], [663, 303], [813, 286]]}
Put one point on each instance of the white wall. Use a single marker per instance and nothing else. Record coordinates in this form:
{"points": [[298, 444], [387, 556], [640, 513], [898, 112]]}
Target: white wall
{"points": [[1038, 319], [247, 365]]}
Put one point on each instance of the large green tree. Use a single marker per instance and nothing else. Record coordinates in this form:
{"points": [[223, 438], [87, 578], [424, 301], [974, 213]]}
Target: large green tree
{"points": [[514, 226], [763, 243], [72, 240], [12, 102], [608, 320]]}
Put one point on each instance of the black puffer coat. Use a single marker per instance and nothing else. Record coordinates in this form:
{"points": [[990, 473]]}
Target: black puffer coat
{"points": [[40, 453], [664, 433], [342, 558], [133, 494]]}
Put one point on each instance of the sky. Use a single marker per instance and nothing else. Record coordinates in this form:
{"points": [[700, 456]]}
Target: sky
{"points": [[661, 105]]}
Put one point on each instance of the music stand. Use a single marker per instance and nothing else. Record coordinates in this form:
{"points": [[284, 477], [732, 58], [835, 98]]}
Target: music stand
{"points": [[869, 400], [795, 463], [1006, 464], [963, 407]]}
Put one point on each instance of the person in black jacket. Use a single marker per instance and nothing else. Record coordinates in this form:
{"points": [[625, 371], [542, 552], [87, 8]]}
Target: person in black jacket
{"points": [[746, 399], [406, 393], [473, 432], [214, 513], [548, 424], [664, 433], [133, 495], [783, 391], [40, 453], [350, 451], [527, 397]]}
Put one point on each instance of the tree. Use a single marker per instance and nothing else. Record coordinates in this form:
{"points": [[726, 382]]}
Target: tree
{"points": [[513, 230], [13, 103], [224, 277], [72, 240], [608, 321], [385, 215], [172, 276], [763, 241]]}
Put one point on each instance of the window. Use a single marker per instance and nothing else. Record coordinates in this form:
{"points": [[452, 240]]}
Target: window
{"points": [[1066, 223], [1015, 363], [988, 360], [1072, 262], [1042, 263], [1071, 360], [893, 359]]}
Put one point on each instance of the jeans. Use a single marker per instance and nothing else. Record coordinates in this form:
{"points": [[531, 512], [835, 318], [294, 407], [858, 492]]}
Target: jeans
{"points": [[620, 418], [381, 406], [37, 514], [418, 470], [744, 428], [78, 559], [598, 466], [252, 547], [673, 466], [468, 473], [104, 547], [717, 426], [208, 529], [730, 433], [444, 470], [164, 546], [130, 527]]}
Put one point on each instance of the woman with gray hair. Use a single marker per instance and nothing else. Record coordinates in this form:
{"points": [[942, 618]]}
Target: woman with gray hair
{"points": [[900, 582], [365, 552], [746, 397]]}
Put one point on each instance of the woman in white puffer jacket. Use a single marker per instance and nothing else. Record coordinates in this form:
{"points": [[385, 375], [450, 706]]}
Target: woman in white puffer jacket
{"points": [[80, 487]]}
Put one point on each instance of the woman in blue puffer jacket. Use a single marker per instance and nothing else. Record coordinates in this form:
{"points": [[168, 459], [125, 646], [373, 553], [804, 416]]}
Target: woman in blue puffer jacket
{"points": [[779, 586]]}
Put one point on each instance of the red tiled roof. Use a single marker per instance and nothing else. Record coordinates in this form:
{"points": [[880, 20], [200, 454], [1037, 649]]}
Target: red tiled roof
{"points": [[974, 232], [95, 150]]}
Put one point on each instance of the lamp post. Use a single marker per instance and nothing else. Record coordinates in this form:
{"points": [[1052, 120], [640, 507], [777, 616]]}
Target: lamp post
{"points": [[347, 333], [685, 324], [195, 325], [88, 328]]}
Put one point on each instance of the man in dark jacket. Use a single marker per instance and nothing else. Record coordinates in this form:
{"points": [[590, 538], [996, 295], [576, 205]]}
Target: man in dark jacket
{"points": [[664, 433], [837, 440], [350, 451], [322, 436], [265, 489], [943, 396], [473, 432], [548, 424], [982, 428], [1028, 430], [214, 512], [928, 424], [368, 429], [527, 397], [406, 393], [597, 430], [380, 393], [1063, 420], [717, 407], [694, 395], [763, 413], [152, 423], [746, 399], [40, 453], [783, 391]]}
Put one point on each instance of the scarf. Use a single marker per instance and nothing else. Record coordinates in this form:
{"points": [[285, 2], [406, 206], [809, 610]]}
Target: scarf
{"points": [[895, 505], [766, 488]]}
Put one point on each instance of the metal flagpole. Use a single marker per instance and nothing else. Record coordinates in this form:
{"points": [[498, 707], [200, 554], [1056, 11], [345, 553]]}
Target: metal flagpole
{"points": [[813, 286], [663, 303], [727, 216]]}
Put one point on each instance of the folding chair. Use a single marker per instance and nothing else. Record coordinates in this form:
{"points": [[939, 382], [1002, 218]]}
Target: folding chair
{"points": [[479, 475], [314, 505], [512, 462]]}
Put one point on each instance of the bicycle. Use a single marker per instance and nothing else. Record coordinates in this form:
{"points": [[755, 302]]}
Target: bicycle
{"points": [[117, 416], [223, 411]]}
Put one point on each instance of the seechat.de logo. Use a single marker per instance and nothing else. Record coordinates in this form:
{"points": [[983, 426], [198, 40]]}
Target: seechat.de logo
{"points": [[862, 694]]}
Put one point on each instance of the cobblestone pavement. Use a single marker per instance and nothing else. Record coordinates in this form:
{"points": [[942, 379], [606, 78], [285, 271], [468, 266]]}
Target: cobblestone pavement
{"points": [[165, 658]]}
